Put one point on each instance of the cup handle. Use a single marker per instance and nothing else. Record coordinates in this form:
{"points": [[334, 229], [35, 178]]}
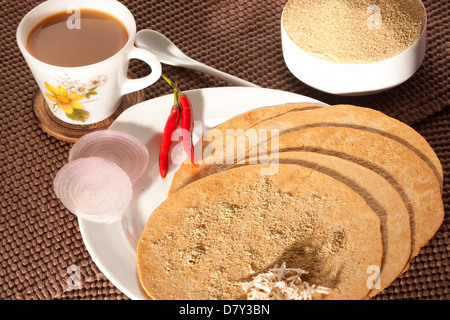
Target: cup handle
{"points": [[132, 85]]}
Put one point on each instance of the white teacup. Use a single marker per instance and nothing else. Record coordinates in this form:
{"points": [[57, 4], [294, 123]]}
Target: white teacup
{"points": [[63, 87]]}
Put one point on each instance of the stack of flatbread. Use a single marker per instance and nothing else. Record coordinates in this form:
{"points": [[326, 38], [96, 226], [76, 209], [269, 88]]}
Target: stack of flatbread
{"points": [[346, 194]]}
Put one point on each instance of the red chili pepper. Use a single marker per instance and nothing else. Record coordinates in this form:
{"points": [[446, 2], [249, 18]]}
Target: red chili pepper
{"points": [[186, 121], [186, 126], [166, 142]]}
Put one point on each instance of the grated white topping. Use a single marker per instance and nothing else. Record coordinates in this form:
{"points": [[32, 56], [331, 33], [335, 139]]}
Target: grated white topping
{"points": [[281, 284]]}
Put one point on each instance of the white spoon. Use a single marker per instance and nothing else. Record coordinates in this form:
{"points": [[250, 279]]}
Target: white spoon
{"points": [[166, 51]]}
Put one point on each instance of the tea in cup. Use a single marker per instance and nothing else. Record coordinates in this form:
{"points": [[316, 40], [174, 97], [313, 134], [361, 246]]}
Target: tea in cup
{"points": [[79, 52]]}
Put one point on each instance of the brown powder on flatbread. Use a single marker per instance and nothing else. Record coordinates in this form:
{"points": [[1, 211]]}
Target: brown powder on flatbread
{"points": [[267, 213]]}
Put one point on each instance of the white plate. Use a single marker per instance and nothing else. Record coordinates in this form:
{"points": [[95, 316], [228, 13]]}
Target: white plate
{"points": [[113, 246]]}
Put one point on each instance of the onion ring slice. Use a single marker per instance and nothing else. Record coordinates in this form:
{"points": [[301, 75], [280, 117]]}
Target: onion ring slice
{"points": [[94, 189], [123, 149]]}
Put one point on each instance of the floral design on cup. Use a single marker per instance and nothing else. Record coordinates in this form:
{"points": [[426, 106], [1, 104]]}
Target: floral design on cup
{"points": [[70, 95]]}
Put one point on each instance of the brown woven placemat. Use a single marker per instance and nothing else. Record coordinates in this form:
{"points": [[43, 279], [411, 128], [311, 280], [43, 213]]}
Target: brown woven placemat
{"points": [[40, 240]]}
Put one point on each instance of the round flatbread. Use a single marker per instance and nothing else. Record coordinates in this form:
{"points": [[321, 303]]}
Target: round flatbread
{"points": [[203, 241]]}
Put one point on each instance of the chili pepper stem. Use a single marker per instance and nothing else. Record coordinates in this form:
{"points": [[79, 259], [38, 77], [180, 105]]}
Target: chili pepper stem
{"points": [[176, 98], [174, 86]]}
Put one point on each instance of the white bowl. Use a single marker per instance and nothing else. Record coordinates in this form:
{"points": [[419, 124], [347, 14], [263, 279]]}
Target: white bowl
{"points": [[352, 79]]}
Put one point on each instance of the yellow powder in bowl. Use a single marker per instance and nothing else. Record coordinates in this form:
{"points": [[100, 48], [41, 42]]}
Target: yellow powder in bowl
{"points": [[354, 31]]}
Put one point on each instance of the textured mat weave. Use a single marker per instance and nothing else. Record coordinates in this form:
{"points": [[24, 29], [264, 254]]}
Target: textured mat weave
{"points": [[40, 240]]}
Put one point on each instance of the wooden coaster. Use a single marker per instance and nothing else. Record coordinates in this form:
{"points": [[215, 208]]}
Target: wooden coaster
{"points": [[71, 132]]}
